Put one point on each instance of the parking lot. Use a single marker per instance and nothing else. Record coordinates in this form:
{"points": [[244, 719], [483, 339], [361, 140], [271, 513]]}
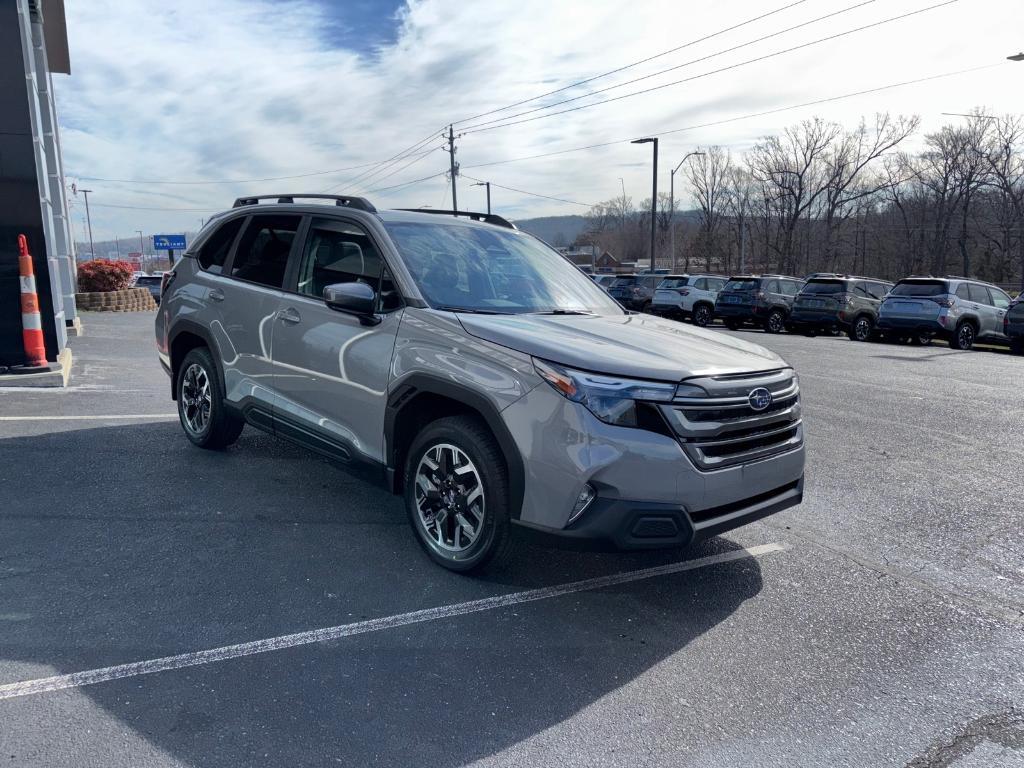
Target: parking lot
{"points": [[162, 605]]}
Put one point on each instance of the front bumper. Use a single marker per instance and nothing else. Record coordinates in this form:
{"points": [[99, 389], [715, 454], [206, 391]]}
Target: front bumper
{"points": [[639, 475], [619, 524]]}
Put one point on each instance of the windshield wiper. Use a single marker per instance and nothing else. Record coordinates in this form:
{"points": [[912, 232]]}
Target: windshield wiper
{"points": [[563, 312], [470, 311]]}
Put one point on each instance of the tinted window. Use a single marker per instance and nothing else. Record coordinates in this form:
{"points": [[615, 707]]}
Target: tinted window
{"points": [[701, 284], [771, 286], [262, 253], [215, 250], [715, 285], [861, 290], [337, 252], [878, 290], [620, 282], [999, 299], [490, 269], [789, 287], [825, 286], [921, 288], [978, 293], [962, 292], [148, 280], [741, 285]]}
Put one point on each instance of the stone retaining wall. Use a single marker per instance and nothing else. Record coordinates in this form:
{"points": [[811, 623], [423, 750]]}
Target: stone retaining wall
{"points": [[128, 300]]}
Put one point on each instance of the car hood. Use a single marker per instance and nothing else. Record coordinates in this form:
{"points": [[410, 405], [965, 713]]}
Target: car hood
{"points": [[638, 346]]}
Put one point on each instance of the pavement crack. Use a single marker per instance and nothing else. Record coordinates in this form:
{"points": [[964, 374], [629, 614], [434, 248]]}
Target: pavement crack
{"points": [[1004, 728]]}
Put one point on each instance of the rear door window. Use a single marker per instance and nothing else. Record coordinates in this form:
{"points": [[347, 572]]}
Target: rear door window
{"points": [[979, 294], [262, 254], [215, 251]]}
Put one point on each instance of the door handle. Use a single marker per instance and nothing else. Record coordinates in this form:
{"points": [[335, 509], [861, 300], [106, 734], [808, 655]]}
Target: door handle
{"points": [[216, 294], [289, 315]]}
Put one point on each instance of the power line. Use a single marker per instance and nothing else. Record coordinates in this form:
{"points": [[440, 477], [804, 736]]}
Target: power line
{"points": [[738, 117], [409, 183], [718, 71], [415, 159], [635, 63], [677, 66], [397, 158], [532, 194], [230, 181], [147, 208]]}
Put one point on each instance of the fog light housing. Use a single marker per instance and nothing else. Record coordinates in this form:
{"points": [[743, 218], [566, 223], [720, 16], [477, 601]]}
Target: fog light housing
{"points": [[587, 495]]}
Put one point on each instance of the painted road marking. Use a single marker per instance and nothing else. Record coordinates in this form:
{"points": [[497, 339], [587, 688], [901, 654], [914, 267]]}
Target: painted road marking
{"points": [[198, 658], [109, 417]]}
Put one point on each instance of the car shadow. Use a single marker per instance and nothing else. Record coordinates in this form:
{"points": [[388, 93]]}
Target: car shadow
{"points": [[127, 543]]}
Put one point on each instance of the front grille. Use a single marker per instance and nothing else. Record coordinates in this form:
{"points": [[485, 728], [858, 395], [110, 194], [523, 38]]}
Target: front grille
{"points": [[722, 430]]}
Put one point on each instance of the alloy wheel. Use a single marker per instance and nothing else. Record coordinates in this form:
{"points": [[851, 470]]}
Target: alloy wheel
{"points": [[450, 498], [196, 399], [775, 322], [965, 336], [702, 316], [862, 329]]}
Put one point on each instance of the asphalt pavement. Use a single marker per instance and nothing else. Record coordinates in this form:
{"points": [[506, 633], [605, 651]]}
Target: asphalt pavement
{"points": [[166, 606]]}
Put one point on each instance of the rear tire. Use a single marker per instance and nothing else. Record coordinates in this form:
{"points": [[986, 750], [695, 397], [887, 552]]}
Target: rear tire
{"points": [[861, 329], [775, 322], [1017, 347], [963, 336], [457, 494], [201, 408], [702, 315]]}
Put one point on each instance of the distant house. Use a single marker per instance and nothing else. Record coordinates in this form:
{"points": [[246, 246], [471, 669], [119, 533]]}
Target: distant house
{"points": [[591, 257]]}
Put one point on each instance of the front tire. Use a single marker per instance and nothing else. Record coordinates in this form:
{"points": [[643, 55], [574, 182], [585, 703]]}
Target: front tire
{"points": [[963, 336], [457, 494], [201, 408]]}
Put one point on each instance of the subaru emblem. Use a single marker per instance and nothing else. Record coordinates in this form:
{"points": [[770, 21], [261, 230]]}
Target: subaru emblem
{"points": [[759, 399]]}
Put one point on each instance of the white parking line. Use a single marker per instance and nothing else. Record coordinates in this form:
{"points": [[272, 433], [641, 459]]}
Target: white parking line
{"points": [[107, 417], [198, 658]]}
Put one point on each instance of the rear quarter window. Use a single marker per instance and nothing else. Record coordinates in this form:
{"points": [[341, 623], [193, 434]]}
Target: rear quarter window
{"points": [[214, 252]]}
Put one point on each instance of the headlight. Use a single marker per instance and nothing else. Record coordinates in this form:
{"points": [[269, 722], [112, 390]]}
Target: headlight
{"points": [[612, 399]]}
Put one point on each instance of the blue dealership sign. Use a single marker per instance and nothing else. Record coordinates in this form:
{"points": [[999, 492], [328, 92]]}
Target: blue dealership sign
{"points": [[169, 242]]}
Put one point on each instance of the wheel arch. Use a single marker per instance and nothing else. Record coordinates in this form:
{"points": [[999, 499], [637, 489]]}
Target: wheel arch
{"points": [[185, 337], [421, 399]]}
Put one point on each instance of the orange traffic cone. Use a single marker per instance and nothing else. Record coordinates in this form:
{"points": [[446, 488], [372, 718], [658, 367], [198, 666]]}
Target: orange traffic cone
{"points": [[31, 320]]}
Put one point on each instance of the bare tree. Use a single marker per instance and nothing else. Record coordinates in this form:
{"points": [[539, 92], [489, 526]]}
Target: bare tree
{"points": [[708, 174]]}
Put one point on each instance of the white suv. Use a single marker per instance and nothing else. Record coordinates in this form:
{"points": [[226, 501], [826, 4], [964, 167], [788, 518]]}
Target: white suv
{"points": [[688, 296]]}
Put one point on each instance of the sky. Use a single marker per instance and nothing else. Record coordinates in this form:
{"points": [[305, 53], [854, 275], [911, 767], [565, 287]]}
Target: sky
{"points": [[229, 96]]}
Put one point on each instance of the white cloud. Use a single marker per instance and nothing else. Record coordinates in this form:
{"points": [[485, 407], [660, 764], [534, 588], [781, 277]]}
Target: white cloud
{"points": [[237, 89]]}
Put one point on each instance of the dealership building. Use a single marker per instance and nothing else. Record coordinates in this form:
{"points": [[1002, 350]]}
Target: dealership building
{"points": [[33, 201]]}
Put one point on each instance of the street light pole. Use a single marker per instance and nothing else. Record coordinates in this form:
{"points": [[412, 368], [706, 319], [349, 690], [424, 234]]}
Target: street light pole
{"points": [[488, 185], [88, 218], [654, 194], [672, 206]]}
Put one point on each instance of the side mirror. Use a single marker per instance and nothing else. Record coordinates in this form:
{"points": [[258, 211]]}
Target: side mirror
{"points": [[357, 299]]}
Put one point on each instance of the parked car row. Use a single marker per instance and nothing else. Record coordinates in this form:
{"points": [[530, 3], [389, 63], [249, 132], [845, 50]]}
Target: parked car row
{"points": [[959, 310]]}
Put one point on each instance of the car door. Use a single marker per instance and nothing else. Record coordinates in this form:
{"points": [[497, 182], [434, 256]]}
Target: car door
{"points": [[331, 369], [247, 296], [982, 303], [1000, 305]]}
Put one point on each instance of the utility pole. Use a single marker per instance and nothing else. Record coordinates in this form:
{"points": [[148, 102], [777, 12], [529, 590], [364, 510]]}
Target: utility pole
{"points": [[454, 167], [654, 195], [88, 218], [488, 185], [142, 244], [117, 246], [672, 206]]}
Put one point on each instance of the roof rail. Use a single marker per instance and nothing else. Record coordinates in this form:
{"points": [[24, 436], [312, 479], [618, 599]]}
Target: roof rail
{"points": [[487, 218], [345, 201]]}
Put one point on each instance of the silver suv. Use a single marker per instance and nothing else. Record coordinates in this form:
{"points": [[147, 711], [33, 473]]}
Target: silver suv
{"points": [[680, 296], [477, 372], [957, 309]]}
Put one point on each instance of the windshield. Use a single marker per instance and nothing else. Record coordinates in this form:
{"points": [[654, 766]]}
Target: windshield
{"points": [[920, 288], [824, 286], [741, 285], [495, 271]]}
